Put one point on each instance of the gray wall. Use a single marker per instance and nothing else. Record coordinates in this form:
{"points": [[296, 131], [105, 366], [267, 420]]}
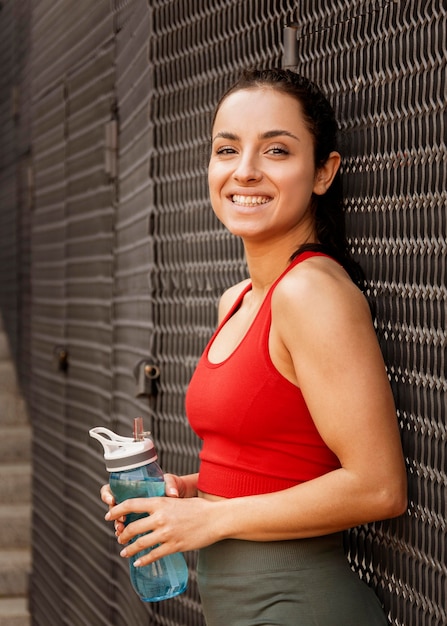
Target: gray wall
{"points": [[110, 253]]}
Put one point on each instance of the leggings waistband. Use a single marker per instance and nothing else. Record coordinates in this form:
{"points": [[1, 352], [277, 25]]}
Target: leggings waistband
{"points": [[235, 554]]}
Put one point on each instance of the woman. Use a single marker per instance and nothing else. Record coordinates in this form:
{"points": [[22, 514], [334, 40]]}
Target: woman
{"points": [[291, 397]]}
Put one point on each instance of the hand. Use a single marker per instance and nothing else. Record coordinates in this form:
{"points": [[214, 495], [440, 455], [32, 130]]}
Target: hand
{"points": [[173, 525]]}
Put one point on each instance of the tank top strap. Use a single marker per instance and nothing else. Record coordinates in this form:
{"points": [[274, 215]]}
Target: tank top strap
{"points": [[299, 259]]}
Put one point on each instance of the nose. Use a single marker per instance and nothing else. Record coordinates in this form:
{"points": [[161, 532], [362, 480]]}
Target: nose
{"points": [[247, 168]]}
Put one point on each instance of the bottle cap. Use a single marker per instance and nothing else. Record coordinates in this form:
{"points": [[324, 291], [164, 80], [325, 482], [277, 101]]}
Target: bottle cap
{"points": [[124, 453]]}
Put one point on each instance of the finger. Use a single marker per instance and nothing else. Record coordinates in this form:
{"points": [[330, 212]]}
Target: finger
{"points": [[106, 495], [133, 505], [171, 489], [156, 553], [144, 544], [139, 528]]}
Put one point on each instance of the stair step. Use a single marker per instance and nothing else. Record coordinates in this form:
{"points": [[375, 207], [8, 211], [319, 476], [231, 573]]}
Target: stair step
{"points": [[15, 483], [13, 410], [14, 612], [15, 522], [15, 444], [15, 568], [8, 378]]}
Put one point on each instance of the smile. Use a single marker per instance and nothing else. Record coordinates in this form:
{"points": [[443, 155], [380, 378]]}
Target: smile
{"points": [[250, 200]]}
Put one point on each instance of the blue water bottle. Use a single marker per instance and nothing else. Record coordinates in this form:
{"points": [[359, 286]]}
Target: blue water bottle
{"points": [[135, 473]]}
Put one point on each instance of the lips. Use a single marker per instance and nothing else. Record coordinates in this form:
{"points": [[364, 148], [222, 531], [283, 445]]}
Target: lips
{"points": [[250, 200]]}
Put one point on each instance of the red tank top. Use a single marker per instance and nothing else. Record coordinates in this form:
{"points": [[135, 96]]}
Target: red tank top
{"points": [[258, 435]]}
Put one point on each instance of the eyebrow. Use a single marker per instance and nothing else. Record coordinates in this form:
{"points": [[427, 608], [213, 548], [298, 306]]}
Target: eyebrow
{"points": [[226, 135], [270, 134]]}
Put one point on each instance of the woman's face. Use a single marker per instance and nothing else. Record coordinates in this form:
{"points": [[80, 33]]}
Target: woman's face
{"points": [[261, 172]]}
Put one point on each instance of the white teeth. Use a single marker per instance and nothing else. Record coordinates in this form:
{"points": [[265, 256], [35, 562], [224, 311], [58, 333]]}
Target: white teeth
{"points": [[250, 200]]}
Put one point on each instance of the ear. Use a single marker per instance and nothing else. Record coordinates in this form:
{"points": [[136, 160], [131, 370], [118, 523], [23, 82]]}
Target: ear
{"points": [[326, 174]]}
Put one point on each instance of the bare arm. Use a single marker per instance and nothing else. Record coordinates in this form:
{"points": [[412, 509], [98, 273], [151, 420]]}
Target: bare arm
{"points": [[328, 347], [336, 361]]}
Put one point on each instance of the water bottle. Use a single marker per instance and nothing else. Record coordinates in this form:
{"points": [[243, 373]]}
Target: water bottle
{"points": [[135, 473]]}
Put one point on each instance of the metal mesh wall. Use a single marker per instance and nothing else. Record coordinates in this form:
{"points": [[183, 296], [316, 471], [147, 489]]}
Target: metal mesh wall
{"points": [[128, 260], [383, 65], [385, 68]]}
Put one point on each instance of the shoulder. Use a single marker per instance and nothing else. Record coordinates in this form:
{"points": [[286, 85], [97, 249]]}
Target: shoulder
{"points": [[318, 290], [230, 296], [323, 321]]}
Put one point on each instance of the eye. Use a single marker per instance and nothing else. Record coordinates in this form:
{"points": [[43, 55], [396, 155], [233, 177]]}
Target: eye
{"points": [[278, 150], [224, 150]]}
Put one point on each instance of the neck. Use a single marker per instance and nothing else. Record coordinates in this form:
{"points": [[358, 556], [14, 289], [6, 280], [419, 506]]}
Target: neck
{"points": [[265, 268], [266, 262]]}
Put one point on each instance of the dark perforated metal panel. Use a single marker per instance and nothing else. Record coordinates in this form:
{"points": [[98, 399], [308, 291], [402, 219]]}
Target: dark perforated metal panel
{"points": [[128, 260], [385, 68]]}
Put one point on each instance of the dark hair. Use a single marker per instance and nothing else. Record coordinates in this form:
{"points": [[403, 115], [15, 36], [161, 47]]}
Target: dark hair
{"points": [[320, 120]]}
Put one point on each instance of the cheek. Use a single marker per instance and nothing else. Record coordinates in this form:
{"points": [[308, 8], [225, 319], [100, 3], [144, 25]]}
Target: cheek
{"points": [[213, 190], [211, 175], [302, 180], [216, 178]]}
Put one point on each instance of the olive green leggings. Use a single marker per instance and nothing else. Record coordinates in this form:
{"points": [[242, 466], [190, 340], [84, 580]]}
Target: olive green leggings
{"points": [[306, 582]]}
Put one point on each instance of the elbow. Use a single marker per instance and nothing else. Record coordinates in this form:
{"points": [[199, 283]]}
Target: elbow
{"points": [[396, 506], [393, 500]]}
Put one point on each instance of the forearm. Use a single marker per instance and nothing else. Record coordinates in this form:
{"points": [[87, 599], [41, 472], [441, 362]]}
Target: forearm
{"points": [[331, 503]]}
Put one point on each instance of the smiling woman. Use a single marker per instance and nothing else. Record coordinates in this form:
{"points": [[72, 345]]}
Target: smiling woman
{"points": [[290, 397], [264, 163]]}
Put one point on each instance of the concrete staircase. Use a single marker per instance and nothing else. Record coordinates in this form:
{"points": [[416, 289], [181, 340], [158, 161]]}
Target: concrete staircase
{"points": [[15, 495]]}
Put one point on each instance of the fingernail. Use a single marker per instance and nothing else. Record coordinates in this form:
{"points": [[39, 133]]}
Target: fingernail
{"points": [[123, 552], [137, 563], [107, 517]]}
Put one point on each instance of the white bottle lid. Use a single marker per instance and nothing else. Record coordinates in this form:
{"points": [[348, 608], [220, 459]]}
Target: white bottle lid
{"points": [[124, 453]]}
